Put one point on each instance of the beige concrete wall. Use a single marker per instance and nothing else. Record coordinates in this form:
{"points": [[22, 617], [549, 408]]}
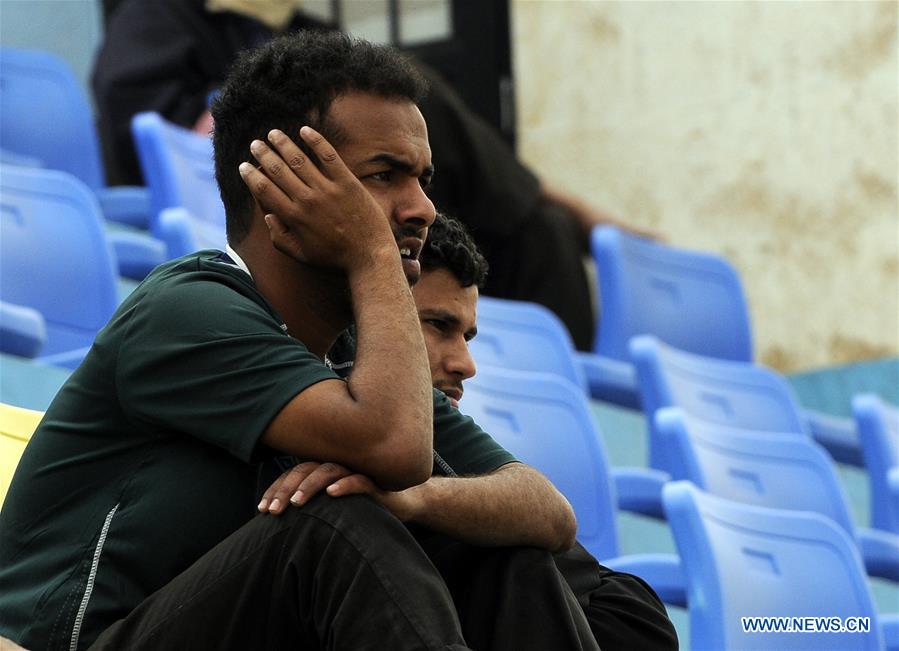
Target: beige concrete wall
{"points": [[764, 131]]}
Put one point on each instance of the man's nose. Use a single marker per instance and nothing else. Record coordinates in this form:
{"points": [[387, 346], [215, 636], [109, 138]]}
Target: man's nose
{"points": [[416, 209], [461, 363]]}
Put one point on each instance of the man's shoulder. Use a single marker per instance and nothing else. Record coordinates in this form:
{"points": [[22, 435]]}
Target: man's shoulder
{"points": [[200, 288], [203, 276]]}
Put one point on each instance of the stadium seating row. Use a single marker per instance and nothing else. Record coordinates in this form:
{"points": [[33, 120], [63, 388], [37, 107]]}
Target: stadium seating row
{"points": [[735, 465]]}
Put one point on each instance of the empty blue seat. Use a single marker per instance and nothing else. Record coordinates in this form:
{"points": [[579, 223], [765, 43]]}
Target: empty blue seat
{"points": [[529, 337], [744, 561], [46, 121], [45, 117], [691, 300], [775, 470], [738, 394], [524, 336], [180, 173], [56, 258], [878, 426], [546, 422]]}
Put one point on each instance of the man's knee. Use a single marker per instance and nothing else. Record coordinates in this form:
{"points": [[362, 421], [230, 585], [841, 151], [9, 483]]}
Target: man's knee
{"points": [[355, 520]]}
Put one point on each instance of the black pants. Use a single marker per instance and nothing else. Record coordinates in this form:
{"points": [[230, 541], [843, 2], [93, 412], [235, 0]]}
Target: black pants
{"points": [[345, 574]]}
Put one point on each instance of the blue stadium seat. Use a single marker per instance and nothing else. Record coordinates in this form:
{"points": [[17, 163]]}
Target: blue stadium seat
{"points": [[738, 394], [45, 118], [691, 300], [742, 561], [179, 171], [878, 427], [56, 258], [45, 121], [524, 336], [775, 470], [545, 421]]}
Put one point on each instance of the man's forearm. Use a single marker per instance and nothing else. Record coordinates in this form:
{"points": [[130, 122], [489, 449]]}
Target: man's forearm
{"points": [[514, 505], [391, 366]]}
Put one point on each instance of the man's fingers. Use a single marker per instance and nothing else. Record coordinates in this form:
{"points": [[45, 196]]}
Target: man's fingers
{"points": [[269, 195], [280, 173], [352, 485], [331, 163], [323, 476], [275, 499], [295, 159]]}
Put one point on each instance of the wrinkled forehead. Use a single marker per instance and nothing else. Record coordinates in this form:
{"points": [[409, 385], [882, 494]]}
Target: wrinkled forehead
{"points": [[363, 123]]}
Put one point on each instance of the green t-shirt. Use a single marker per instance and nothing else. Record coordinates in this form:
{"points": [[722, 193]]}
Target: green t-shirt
{"points": [[148, 456]]}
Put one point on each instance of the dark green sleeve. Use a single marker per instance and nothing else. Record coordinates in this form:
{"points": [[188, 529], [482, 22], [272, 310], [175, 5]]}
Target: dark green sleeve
{"points": [[464, 446], [204, 359]]}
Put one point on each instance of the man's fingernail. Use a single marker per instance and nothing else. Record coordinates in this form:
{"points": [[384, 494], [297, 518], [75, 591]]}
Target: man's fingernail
{"points": [[297, 498], [275, 505], [244, 168], [263, 504], [268, 220]]}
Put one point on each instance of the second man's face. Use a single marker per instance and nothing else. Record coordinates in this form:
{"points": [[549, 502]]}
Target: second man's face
{"points": [[448, 315]]}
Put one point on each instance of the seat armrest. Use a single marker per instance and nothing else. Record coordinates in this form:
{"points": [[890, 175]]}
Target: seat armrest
{"points": [[880, 553], [137, 253], [127, 204], [22, 330], [610, 380], [639, 490], [836, 435]]}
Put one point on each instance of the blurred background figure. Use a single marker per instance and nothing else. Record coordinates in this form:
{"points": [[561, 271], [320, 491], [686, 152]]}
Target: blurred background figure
{"points": [[169, 56]]}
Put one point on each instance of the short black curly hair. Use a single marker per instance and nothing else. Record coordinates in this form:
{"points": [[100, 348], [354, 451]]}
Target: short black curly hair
{"points": [[289, 82], [449, 246]]}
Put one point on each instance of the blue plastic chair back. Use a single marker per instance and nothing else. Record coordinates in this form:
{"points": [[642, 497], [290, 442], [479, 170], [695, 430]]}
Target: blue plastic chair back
{"points": [[693, 301], [775, 470], [742, 560], [545, 421], [180, 173], [45, 115], [735, 394], [55, 256], [524, 336], [184, 233], [878, 428]]}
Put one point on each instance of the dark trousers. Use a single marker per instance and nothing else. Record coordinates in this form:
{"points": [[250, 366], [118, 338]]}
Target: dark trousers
{"points": [[345, 574]]}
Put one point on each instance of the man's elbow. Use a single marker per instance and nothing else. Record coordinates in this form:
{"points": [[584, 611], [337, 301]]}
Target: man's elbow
{"points": [[398, 466], [564, 532]]}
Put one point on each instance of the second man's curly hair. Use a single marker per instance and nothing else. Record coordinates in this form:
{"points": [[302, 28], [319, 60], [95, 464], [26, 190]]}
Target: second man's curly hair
{"points": [[289, 82], [449, 246]]}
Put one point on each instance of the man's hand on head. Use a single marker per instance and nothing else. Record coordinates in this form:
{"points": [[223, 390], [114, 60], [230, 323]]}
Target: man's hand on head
{"points": [[316, 213]]}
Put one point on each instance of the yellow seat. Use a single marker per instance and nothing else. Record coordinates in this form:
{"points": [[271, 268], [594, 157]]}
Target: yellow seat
{"points": [[16, 427]]}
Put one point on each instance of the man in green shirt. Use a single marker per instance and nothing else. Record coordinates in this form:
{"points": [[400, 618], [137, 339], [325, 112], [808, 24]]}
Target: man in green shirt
{"points": [[129, 523]]}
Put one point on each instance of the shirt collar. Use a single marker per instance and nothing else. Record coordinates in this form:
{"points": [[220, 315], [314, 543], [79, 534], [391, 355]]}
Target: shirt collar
{"points": [[237, 260]]}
